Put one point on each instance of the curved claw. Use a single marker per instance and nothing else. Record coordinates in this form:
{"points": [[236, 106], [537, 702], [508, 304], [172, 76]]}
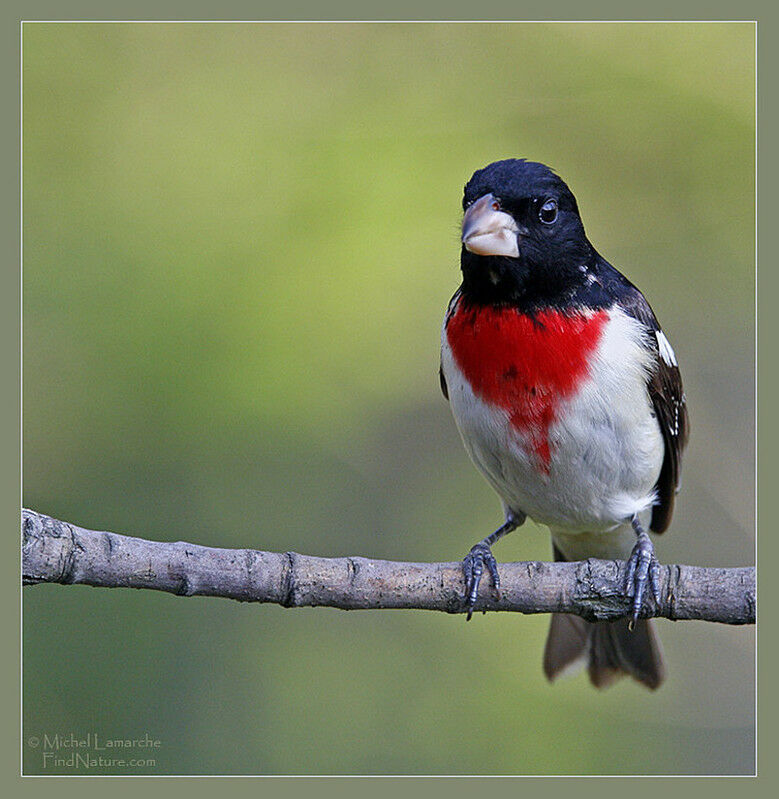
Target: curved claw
{"points": [[643, 571], [473, 569]]}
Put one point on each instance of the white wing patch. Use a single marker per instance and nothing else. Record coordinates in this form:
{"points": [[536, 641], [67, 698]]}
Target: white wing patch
{"points": [[666, 350]]}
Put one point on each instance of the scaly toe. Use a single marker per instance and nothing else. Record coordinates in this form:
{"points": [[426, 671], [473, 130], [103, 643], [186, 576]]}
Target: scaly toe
{"points": [[643, 570], [473, 569]]}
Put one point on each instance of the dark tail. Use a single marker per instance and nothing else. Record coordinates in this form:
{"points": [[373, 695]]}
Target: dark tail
{"points": [[608, 648]]}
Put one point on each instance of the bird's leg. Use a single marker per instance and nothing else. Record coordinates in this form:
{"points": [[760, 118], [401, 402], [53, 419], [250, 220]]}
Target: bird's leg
{"points": [[643, 569], [481, 556]]}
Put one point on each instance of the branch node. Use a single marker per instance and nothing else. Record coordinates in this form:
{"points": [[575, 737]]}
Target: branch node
{"points": [[288, 586]]}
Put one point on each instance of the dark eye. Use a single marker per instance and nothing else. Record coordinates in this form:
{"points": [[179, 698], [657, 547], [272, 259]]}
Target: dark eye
{"points": [[547, 213]]}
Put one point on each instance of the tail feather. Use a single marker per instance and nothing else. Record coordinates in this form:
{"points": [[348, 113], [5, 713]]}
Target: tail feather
{"points": [[616, 650], [609, 649], [566, 645]]}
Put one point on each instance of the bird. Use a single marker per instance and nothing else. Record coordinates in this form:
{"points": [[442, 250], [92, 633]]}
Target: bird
{"points": [[568, 398]]}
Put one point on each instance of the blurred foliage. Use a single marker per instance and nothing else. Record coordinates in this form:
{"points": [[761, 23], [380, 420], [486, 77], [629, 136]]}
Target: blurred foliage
{"points": [[239, 242]]}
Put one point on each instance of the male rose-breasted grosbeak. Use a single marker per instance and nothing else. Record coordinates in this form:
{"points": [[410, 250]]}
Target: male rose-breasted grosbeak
{"points": [[569, 400]]}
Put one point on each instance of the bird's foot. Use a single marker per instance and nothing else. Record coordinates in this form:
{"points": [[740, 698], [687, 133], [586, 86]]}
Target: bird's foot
{"points": [[473, 568], [643, 571]]}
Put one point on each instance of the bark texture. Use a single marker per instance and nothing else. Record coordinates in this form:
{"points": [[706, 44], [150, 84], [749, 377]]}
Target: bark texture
{"points": [[60, 552]]}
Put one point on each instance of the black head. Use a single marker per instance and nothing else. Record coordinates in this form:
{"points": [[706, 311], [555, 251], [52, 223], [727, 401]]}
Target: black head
{"points": [[523, 239]]}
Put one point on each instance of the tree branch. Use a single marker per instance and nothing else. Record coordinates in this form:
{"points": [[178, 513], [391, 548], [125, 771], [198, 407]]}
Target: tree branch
{"points": [[58, 552]]}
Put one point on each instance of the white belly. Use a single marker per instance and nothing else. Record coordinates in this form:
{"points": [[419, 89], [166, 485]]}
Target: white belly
{"points": [[605, 443]]}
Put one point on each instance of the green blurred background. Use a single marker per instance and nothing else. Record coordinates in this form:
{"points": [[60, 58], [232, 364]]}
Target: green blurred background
{"points": [[239, 242]]}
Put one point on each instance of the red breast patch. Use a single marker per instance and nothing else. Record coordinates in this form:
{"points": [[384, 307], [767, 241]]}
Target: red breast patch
{"points": [[525, 365]]}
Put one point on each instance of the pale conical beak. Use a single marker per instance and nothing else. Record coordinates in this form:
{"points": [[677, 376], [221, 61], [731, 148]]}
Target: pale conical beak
{"points": [[488, 230]]}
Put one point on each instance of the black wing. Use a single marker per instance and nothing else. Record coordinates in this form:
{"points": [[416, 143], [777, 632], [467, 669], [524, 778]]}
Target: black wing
{"points": [[449, 312], [667, 395]]}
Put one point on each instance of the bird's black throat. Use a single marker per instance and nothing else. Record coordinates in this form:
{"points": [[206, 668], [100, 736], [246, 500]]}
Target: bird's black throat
{"points": [[512, 282]]}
